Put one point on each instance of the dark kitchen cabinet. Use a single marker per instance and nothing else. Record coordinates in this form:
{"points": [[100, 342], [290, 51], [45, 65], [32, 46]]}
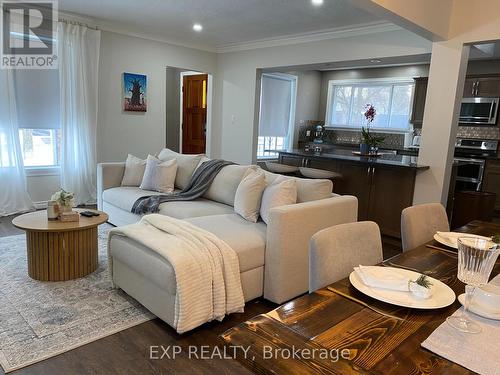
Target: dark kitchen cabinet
{"points": [[419, 94], [491, 182], [482, 86]]}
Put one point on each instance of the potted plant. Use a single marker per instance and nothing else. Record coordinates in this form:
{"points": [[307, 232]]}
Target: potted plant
{"points": [[369, 142], [64, 199]]}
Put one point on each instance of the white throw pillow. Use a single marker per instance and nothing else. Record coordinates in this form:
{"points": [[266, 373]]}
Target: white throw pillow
{"points": [[159, 176], [186, 164], [134, 171], [249, 195], [282, 192], [166, 172]]}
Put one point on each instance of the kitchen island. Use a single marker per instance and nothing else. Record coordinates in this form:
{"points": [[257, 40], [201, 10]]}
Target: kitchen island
{"points": [[384, 185]]}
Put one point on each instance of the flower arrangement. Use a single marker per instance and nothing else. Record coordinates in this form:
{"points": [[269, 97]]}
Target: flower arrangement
{"points": [[371, 141], [64, 198]]}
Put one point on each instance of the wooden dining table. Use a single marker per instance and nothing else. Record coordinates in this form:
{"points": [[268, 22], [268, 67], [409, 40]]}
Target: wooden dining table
{"points": [[380, 338]]}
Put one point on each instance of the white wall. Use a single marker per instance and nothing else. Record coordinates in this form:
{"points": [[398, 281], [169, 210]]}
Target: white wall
{"points": [[307, 103], [236, 79], [122, 132]]}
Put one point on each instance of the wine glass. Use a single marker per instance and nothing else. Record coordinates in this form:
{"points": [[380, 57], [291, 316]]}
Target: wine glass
{"points": [[476, 258]]}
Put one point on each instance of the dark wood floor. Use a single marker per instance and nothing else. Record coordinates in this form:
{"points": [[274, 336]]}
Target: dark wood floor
{"points": [[127, 352]]}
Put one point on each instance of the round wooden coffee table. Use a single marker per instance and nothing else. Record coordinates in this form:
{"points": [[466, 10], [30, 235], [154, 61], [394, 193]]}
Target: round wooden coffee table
{"points": [[60, 251]]}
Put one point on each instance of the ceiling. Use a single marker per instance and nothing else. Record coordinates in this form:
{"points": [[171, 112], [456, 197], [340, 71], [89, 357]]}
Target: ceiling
{"points": [[225, 22]]}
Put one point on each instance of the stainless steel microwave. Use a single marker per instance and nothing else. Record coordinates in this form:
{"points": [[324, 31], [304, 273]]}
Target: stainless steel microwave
{"points": [[479, 111]]}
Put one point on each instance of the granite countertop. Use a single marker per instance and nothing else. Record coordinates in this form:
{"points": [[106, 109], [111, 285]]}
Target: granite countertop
{"points": [[385, 159]]}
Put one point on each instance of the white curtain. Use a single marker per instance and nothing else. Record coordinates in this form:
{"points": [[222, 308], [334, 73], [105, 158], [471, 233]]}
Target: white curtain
{"points": [[78, 73], [14, 197], [275, 106]]}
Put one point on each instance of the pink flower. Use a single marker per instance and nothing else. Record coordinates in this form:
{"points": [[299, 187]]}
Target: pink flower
{"points": [[370, 113]]}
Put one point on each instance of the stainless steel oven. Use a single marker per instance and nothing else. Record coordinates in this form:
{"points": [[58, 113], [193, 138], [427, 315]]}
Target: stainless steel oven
{"points": [[470, 173], [479, 111], [470, 159]]}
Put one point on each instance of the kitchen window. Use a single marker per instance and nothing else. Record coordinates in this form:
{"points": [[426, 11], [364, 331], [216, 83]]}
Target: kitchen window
{"points": [[392, 99], [277, 114]]}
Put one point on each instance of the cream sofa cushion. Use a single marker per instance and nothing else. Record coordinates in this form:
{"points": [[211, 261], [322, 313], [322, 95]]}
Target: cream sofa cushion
{"points": [[186, 164], [307, 189], [282, 192], [249, 195], [134, 171], [198, 207], [247, 239], [124, 197], [224, 185]]}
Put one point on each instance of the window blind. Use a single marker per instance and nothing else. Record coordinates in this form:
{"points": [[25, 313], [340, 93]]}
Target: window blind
{"points": [[275, 105], [37, 98]]}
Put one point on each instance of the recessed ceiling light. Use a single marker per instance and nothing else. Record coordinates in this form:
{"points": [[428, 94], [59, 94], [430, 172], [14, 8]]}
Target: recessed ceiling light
{"points": [[317, 2], [197, 27], [374, 61]]}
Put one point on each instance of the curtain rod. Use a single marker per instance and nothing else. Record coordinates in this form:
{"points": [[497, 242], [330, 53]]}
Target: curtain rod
{"points": [[78, 23]]}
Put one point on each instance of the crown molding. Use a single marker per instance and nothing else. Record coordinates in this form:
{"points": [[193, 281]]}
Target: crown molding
{"points": [[314, 36], [118, 29]]}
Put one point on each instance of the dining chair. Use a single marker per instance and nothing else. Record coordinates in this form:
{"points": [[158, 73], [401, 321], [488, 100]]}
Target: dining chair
{"points": [[419, 223], [335, 251]]}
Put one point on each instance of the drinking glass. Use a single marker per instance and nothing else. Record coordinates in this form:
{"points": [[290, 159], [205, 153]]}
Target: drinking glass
{"points": [[476, 258]]}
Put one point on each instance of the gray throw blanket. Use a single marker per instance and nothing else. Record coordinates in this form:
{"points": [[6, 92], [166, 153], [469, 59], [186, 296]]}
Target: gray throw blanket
{"points": [[198, 185]]}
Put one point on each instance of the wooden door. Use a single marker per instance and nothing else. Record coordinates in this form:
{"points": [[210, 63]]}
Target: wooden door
{"points": [[194, 114]]}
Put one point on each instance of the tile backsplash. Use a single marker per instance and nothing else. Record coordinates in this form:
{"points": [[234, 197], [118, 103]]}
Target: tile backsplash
{"points": [[392, 140], [483, 132]]}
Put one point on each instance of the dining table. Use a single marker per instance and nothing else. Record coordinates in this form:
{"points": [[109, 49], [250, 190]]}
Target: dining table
{"points": [[371, 336]]}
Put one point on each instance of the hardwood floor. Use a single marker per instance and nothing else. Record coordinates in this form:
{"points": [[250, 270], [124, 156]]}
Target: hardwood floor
{"points": [[127, 352]]}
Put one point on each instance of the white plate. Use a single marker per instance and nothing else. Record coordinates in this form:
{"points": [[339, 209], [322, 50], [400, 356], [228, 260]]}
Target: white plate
{"points": [[442, 294], [479, 309], [454, 244]]}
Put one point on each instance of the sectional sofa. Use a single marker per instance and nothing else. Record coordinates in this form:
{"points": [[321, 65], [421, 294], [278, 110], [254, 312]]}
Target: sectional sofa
{"points": [[273, 258]]}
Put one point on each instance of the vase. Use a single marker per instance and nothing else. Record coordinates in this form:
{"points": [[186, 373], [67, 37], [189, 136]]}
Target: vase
{"points": [[364, 149]]}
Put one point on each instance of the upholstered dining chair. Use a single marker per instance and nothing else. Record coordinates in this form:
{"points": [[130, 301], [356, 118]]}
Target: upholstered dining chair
{"points": [[419, 224], [335, 251]]}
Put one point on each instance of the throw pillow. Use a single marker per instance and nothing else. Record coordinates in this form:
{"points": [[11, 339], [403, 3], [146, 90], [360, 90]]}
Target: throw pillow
{"points": [[186, 164], [134, 171], [249, 195], [159, 176], [166, 172], [282, 192]]}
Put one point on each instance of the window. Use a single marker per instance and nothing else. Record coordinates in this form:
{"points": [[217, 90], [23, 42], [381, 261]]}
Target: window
{"points": [[37, 100], [40, 147], [392, 100], [277, 112]]}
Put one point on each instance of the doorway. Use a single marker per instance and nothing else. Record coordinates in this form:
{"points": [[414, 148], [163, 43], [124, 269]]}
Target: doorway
{"points": [[188, 110], [194, 113]]}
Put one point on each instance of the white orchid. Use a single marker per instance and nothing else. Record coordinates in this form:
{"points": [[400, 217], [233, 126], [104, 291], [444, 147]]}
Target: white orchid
{"points": [[64, 198]]}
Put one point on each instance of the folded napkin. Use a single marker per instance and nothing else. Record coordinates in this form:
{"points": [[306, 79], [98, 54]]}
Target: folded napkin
{"points": [[391, 279], [452, 237], [478, 352]]}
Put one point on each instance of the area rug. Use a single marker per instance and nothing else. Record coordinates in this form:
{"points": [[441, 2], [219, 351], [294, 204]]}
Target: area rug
{"points": [[39, 320]]}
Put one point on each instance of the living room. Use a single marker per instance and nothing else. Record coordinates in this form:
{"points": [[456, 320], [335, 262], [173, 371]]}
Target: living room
{"points": [[207, 186]]}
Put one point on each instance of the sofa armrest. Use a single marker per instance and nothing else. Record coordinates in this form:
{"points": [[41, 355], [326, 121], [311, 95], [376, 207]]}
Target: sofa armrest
{"points": [[289, 231], [108, 175]]}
